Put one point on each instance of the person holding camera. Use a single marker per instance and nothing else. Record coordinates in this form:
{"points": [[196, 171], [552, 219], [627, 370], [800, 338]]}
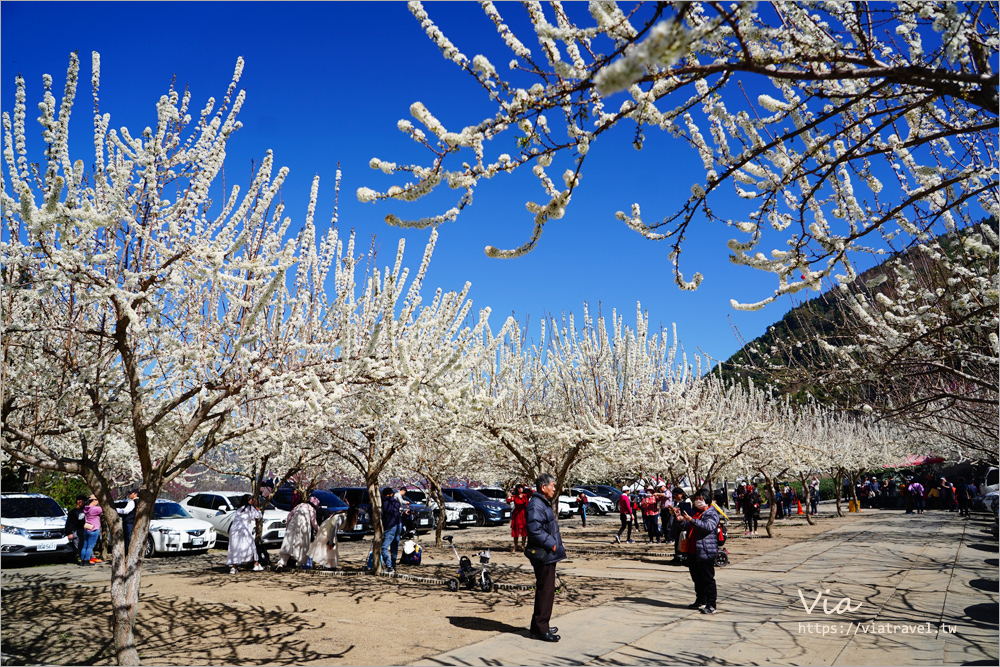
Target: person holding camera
{"points": [[701, 547]]}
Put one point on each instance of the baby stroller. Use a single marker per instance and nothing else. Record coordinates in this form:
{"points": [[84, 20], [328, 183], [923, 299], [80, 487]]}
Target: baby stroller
{"points": [[722, 557], [469, 576]]}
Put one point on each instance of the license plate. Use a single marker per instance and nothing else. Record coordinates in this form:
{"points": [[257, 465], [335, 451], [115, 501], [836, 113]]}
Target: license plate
{"points": [[425, 522], [46, 547], [506, 515], [197, 541], [281, 533], [358, 526]]}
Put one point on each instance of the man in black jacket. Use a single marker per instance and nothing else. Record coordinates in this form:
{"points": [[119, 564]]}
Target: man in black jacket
{"points": [[74, 524], [127, 514], [544, 550]]}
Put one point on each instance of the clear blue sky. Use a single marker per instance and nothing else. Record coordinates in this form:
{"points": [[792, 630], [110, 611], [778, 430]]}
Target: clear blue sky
{"points": [[327, 82]]}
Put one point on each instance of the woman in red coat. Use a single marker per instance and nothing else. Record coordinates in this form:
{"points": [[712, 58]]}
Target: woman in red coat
{"points": [[518, 526]]}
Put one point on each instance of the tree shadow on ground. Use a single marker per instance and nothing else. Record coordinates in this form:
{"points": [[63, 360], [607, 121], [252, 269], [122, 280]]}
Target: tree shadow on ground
{"points": [[985, 546], [73, 616], [988, 585], [983, 615]]}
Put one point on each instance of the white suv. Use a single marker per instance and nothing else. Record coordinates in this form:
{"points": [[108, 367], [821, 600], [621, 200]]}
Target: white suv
{"points": [[32, 525], [219, 507]]}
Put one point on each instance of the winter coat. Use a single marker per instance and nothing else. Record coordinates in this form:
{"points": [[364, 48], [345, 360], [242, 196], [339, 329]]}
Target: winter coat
{"points": [[390, 512], [705, 529], [543, 530]]}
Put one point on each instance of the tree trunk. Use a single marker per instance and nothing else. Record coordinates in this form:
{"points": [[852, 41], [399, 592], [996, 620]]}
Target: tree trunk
{"points": [[770, 503], [838, 487], [126, 578], [854, 492], [438, 495], [371, 482], [807, 491]]}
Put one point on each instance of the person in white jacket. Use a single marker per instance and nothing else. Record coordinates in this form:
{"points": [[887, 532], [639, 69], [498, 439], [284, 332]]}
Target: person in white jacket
{"points": [[300, 523]]}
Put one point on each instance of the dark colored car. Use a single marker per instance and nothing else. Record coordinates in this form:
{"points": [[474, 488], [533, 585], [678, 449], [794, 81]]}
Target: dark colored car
{"points": [[488, 510], [423, 518], [605, 491], [456, 515], [329, 503]]}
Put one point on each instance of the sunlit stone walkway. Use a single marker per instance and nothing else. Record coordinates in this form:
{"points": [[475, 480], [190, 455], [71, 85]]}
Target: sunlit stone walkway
{"points": [[922, 589]]}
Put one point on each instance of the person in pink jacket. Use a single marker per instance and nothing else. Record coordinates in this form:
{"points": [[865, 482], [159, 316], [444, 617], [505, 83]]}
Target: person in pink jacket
{"points": [[92, 512]]}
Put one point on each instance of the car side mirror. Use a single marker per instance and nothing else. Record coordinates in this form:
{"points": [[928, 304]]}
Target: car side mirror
{"points": [[222, 508]]}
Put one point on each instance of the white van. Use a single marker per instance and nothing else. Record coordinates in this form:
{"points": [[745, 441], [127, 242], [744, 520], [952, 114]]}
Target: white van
{"points": [[32, 525], [991, 482]]}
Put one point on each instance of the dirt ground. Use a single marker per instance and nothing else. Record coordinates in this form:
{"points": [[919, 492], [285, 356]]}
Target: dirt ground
{"points": [[194, 612]]}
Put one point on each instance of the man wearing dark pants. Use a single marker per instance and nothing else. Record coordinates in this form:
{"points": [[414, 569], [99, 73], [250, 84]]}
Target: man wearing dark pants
{"points": [[127, 514], [544, 550], [702, 548]]}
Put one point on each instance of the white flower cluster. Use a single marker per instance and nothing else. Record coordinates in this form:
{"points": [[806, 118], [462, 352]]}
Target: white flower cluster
{"points": [[821, 157]]}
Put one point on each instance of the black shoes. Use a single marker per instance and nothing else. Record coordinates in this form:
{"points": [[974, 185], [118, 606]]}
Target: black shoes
{"points": [[696, 605], [547, 637]]}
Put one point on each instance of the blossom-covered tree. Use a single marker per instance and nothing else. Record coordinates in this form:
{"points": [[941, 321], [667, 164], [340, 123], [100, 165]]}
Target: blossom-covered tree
{"points": [[880, 128], [145, 317], [401, 364]]}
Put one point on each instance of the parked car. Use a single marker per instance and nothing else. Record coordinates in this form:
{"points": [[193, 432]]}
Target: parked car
{"points": [[596, 504], [457, 514], [568, 506], [493, 492], [423, 518], [329, 503], [32, 527], [488, 511], [218, 508], [173, 529], [605, 491]]}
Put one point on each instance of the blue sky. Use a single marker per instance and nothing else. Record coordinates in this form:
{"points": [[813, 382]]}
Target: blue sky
{"points": [[326, 84]]}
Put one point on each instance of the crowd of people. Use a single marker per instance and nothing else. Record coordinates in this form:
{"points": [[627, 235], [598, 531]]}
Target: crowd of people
{"points": [[915, 494]]}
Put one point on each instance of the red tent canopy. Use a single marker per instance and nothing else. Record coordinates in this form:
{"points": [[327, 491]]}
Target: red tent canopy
{"points": [[916, 460]]}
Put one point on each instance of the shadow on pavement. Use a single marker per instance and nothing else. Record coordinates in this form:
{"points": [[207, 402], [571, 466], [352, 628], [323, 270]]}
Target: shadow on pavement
{"points": [[485, 625], [984, 615], [985, 546], [652, 603], [989, 585]]}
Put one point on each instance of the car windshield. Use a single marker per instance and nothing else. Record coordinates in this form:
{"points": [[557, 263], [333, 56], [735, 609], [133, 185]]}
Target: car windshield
{"points": [[474, 496], [584, 492], [24, 508], [169, 511], [496, 494], [329, 500], [415, 496]]}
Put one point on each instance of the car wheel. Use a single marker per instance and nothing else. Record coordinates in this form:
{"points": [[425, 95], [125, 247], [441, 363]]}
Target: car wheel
{"points": [[480, 519], [486, 585], [150, 547], [453, 585]]}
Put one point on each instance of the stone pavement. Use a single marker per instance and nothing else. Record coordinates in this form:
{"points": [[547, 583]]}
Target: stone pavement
{"points": [[922, 589]]}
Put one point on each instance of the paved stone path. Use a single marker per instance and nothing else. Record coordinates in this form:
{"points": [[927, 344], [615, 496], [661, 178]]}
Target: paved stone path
{"points": [[922, 589]]}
